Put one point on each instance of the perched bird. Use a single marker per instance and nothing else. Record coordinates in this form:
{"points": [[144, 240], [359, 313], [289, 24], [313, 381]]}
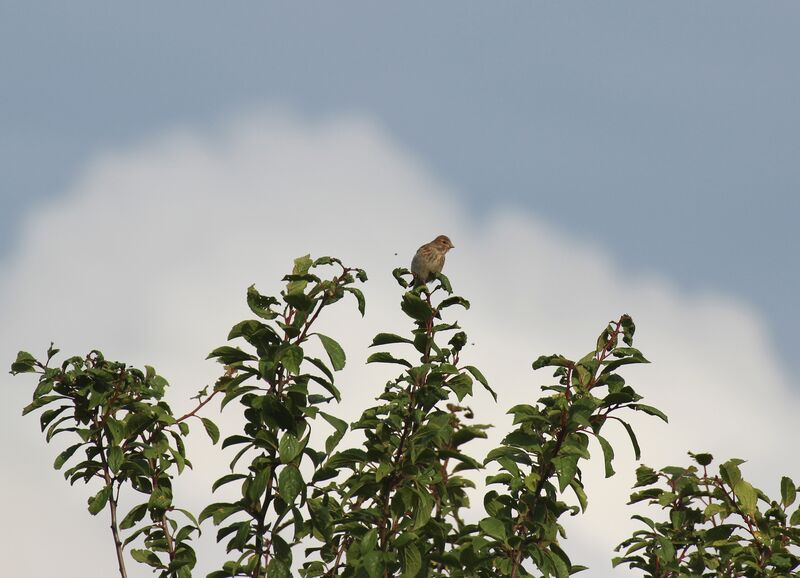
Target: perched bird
{"points": [[429, 259]]}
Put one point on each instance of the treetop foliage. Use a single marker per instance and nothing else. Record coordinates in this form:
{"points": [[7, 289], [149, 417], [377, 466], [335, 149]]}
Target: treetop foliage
{"points": [[395, 505]]}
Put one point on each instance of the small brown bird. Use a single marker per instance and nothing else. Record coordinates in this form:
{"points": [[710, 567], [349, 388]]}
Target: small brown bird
{"points": [[429, 259]]}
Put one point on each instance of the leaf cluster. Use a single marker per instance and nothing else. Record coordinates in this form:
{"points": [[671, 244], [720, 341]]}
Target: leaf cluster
{"points": [[714, 524], [392, 506], [540, 460], [281, 387], [395, 504], [125, 435]]}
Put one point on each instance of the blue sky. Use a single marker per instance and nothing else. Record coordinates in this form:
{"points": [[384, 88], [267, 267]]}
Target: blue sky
{"points": [[586, 158], [668, 136]]}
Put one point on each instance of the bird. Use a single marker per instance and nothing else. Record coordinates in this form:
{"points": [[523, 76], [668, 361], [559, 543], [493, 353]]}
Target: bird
{"points": [[429, 259]]}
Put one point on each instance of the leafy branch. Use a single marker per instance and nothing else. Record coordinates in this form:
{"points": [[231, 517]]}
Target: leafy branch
{"points": [[716, 522], [393, 504], [272, 384]]}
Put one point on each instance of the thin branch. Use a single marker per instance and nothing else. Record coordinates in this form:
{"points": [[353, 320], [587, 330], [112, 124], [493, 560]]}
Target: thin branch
{"points": [[109, 482], [112, 502], [198, 408]]}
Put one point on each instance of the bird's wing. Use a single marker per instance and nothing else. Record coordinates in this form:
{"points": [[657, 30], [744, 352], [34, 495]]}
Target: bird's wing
{"points": [[417, 264]]}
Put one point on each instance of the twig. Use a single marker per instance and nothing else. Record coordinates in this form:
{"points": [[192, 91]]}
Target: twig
{"points": [[198, 408]]}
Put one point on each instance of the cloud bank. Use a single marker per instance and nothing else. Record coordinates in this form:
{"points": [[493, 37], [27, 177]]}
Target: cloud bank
{"points": [[148, 254]]}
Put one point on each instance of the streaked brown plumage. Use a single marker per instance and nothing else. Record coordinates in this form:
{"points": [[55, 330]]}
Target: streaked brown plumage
{"points": [[429, 259]]}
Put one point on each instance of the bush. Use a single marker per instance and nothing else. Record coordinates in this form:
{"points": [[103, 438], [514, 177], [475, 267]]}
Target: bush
{"points": [[395, 505]]}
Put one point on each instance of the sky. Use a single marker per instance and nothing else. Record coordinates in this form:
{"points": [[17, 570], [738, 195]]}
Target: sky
{"points": [[586, 159]]}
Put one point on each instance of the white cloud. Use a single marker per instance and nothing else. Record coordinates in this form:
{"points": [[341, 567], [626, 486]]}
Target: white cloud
{"points": [[148, 255]]}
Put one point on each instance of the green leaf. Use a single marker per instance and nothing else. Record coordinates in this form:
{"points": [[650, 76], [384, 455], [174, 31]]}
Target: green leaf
{"points": [[289, 448], [291, 357], [398, 275], [387, 338], [444, 282], [461, 385], [411, 561], [494, 528], [211, 429], [146, 557], [218, 512], [714, 509], [299, 278], [334, 351], [99, 500], [481, 379], [325, 260], [25, 363], [52, 351], [650, 410], [788, 491], [630, 356], [580, 493], [228, 355], [339, 425], [290, 483], [370, 540], [136, 514], [40, 402], [406, 538], [260, 304], [747, 496], [295, 288], [720, 532], [62, 458], [115, 459], [362, 303], [413, 306], [645, 476], [373, 564], [458, 341], [608, 454], [160, 498], [116, 428], [566, 469], [559, 560], [300, 301], [628, 329], [278, 569], [637, 452], [644, 519], [244, 328], [275, 410], [45, 386], [227, 479], [258, 484], [730, 472], [576, 444], [702, 459], [665, 550], [308, 278], [319, 364], [383, 470], [254, 332], [386, 357], [235, 440], [302, 265], [421, 510], [552, 361], [454, 301]]}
